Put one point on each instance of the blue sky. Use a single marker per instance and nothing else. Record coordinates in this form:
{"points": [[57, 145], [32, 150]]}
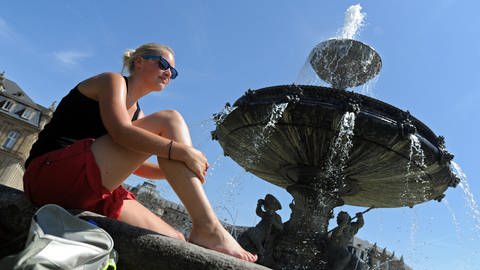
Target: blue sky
{"points": [[430, 52]]}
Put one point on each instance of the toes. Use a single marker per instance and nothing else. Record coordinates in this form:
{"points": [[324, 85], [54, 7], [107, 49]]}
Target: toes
{"points": [[249, 257]]}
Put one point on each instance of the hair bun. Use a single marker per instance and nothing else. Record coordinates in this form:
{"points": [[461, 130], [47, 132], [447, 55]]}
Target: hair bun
{"points": [[128, 53], [127, 59]]}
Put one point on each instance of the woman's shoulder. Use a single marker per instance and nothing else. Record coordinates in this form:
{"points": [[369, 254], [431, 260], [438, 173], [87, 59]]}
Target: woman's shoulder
{"points": [[105, 77], [92, 86]]}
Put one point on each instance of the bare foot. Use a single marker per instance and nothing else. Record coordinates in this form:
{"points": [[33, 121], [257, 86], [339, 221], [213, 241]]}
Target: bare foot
{"points": [[218, 239]]}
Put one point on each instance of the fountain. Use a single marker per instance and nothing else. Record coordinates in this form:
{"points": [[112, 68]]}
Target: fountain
{"points": [[328, 147]]}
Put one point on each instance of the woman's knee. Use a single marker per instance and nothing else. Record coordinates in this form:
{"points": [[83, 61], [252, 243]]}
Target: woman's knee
{"points": [[161, 122], [173, 126], [169, 115]]}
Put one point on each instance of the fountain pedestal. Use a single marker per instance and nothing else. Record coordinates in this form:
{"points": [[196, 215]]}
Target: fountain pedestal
{"points": [[312, 208], [306, 231]]}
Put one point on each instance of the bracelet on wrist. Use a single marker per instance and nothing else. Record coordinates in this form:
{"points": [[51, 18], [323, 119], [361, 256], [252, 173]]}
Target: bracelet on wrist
{"points": [[170, 144]]}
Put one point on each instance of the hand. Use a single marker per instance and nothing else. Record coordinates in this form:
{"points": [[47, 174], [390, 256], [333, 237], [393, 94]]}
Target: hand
{"points": [[194, 160], [261, 201]]}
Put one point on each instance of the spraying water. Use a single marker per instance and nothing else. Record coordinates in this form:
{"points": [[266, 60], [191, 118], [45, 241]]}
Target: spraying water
{"points": [[307, 76], [262, 138], [413, 232], [454, 217], [214, 165], [468, 193], [277, 113], [227, 206], [417, 156], [218, 118], [353, 22], [340, 149], [367, 88], [414, 170]]}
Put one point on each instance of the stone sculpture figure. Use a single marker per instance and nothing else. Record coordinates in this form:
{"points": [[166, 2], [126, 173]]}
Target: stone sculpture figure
{"points": [[2, 81], [260, 239], [338, 254]]}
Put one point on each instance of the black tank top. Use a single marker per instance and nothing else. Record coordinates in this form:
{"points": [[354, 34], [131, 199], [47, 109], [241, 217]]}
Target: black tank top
{"points": [[76, 117]]}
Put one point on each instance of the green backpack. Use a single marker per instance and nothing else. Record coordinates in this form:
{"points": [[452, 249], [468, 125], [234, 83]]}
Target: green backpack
{"points": [[60, 240]]}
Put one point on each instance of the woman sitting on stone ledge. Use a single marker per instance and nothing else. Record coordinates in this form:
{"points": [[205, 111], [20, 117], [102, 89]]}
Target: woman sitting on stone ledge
{"points": [[98, 136]]}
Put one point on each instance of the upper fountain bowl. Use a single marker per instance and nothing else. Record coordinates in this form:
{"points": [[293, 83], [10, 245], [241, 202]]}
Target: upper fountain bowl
{"points": [[345, 63]]}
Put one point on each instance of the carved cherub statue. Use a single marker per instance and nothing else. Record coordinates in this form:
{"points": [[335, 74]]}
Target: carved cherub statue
{"points": [[339, 256], [259, 239]]}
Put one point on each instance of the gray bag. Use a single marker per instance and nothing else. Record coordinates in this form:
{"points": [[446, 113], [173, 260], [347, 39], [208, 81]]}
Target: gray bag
{"points": [[59, 240]]}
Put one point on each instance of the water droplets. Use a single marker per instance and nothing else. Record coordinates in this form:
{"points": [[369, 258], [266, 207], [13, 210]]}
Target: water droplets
{"points": [[454, 217], [469, 198], [277, 113], [340, 150], [417, 157], [261, 139], [415, 174], [219, 117]]}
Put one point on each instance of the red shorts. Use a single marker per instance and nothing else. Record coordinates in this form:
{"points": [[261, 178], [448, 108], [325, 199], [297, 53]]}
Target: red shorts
{"points": [[71, 178]]}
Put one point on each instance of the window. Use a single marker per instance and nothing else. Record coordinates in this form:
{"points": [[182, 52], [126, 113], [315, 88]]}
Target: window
{"points": [[27, 114], [12, 138], [8, 105]]}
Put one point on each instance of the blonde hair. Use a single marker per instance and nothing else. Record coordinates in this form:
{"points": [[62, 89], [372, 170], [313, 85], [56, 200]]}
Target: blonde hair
{"points": [[145, 49]]}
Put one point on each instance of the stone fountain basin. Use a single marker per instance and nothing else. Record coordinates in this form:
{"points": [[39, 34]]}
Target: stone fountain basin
{"points": [[295, 149]]}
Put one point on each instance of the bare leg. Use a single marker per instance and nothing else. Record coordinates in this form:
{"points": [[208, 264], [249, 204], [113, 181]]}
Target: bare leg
{"points": [[136, 214], [117, 163], [207, 231]]}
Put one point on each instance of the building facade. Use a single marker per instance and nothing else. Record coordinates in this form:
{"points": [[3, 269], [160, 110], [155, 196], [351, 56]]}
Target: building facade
{"points": [[374, 257], [21, 119]]}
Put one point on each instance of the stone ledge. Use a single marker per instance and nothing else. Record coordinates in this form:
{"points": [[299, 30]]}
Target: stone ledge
{"points": [[137, 248]]}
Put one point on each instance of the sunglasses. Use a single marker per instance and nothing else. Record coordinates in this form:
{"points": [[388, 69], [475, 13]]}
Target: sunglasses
{"points": [[163, 64]]}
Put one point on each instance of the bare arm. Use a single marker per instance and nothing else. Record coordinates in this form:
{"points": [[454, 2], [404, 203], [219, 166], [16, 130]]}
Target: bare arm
{"points": [[111, 92], [150, 170]]}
